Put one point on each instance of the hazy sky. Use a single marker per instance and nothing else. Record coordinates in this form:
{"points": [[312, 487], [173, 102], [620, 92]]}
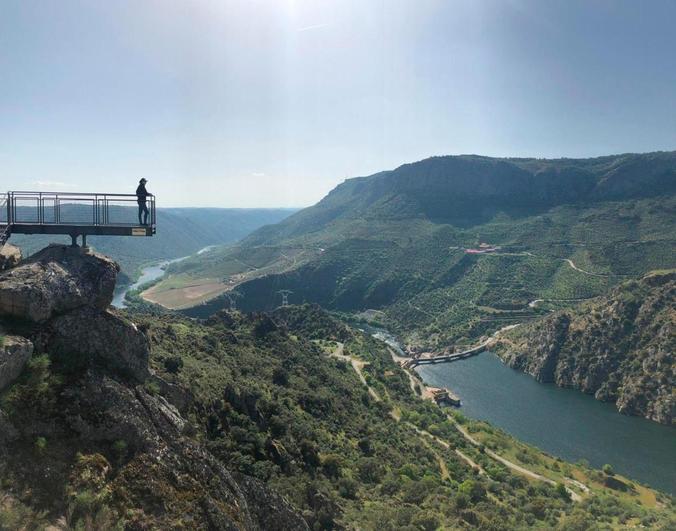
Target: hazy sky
{"points": [[274, 102]]}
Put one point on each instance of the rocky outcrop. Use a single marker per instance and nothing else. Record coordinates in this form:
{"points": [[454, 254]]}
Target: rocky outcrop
{"points": [[620, 347], [14, 353], [10, 256], [153, 473], [56, 280], [64, 293], [92, 401], [107, 338]]}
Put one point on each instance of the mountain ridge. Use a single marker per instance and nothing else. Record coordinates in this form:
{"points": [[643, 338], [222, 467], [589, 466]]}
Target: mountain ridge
{"points": [[405, 242], [533, 181]]}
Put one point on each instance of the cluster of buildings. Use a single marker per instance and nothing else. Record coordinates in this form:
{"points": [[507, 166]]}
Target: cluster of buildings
{"points": [[483, 249]]}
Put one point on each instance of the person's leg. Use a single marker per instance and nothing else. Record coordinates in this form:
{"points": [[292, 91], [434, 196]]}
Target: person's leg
{"points": [[146, 212], [140, 210]]}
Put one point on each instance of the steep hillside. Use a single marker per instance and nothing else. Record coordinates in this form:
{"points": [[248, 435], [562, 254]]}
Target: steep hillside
{"points": [[260, 421], [557, 231], [321, 412], [618, 347], [86, 439], [467, 190]]}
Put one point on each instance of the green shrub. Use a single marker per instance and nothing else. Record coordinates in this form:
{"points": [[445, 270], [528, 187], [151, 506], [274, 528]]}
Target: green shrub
{"points": [[40, 444], [347, 488], [173, 364], [153, 388], [120, 449]]}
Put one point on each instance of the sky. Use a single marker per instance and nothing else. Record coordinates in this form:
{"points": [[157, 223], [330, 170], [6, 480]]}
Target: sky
{"points": [[272, 103]]}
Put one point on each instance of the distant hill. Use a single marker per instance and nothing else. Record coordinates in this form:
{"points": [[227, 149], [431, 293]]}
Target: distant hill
{"points": [[180, 232], [397, 241], [619, 347], [467, 190]]}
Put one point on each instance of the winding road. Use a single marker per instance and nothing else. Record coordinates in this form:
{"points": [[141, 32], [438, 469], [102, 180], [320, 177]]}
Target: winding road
{"points": [[358, 366]]}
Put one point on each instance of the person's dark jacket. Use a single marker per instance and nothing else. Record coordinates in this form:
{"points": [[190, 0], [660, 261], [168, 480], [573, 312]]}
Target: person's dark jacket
{"points": [[141, 193]]}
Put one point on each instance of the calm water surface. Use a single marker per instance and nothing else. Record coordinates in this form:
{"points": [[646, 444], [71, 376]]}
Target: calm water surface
{"points": [[562, 422]]}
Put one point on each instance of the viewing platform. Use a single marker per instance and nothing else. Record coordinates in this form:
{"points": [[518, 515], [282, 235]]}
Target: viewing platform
{"points": [[73, 214]]}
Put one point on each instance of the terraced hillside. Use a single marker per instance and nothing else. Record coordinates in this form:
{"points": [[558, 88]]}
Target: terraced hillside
{"points": [[407, 242]]}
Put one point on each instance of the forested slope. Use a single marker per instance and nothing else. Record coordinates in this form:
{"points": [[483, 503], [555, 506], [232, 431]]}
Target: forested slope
{"points": [[561, 230]]}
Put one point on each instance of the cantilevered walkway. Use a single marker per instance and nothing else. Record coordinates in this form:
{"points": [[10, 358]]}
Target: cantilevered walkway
{"points": [[73, 214]]}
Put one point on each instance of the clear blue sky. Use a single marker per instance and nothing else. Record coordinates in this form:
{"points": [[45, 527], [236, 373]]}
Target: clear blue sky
{"points": [[274, 102]]}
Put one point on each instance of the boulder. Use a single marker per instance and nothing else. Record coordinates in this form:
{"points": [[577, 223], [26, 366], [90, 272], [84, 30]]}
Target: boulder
{"points": [[100, 336], [56, 280], [14, 353], [10, 256]]}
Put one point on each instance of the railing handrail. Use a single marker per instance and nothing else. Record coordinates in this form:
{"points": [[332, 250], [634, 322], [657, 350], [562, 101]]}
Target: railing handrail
{"points": [[96, 194], [99, 203]]}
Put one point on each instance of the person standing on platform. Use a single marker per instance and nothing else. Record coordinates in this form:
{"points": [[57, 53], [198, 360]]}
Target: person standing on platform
{"points": [[141, 196]]}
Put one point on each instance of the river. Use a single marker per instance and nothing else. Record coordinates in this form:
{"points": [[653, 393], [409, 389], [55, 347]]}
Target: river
{"points": [[562, 422], [149, 274]]}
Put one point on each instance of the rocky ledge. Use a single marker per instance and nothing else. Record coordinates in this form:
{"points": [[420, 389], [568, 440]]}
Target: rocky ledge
{"points": [[85, 418], [59, 299], [10, 256], [14, 353]]}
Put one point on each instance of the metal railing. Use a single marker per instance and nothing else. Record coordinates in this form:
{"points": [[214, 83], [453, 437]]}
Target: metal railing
{"points": [[73, 209]]}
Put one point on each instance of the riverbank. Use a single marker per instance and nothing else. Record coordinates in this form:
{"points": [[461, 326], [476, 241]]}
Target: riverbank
{"points": [[563, 422], [150, 273]]}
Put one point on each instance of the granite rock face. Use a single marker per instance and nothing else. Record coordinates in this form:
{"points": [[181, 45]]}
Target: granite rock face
{"points": [[107, 338], [65, 292], [14, 353], [619, 347], [105, 410], [10, 256], [56, 280]]}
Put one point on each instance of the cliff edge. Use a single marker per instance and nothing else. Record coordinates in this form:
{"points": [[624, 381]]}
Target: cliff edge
{"points": [[86, 437]]}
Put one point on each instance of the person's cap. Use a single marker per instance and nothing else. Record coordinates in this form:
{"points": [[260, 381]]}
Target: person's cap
{"points": [[143, 181]]}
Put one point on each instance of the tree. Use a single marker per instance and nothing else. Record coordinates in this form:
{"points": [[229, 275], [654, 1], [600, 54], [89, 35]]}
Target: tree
{"points": [[332, 464], [173, 364], [473, 489], [608, 470], [562, 491]]}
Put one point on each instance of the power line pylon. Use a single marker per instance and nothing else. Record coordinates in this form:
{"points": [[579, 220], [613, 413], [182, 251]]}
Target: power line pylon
{"points": [[285, 296], [232, 298]]}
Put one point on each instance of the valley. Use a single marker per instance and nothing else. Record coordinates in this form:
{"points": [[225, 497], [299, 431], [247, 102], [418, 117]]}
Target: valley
{"points": [[338, 266], [401, 242], [304, 400], [183, 232]]}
